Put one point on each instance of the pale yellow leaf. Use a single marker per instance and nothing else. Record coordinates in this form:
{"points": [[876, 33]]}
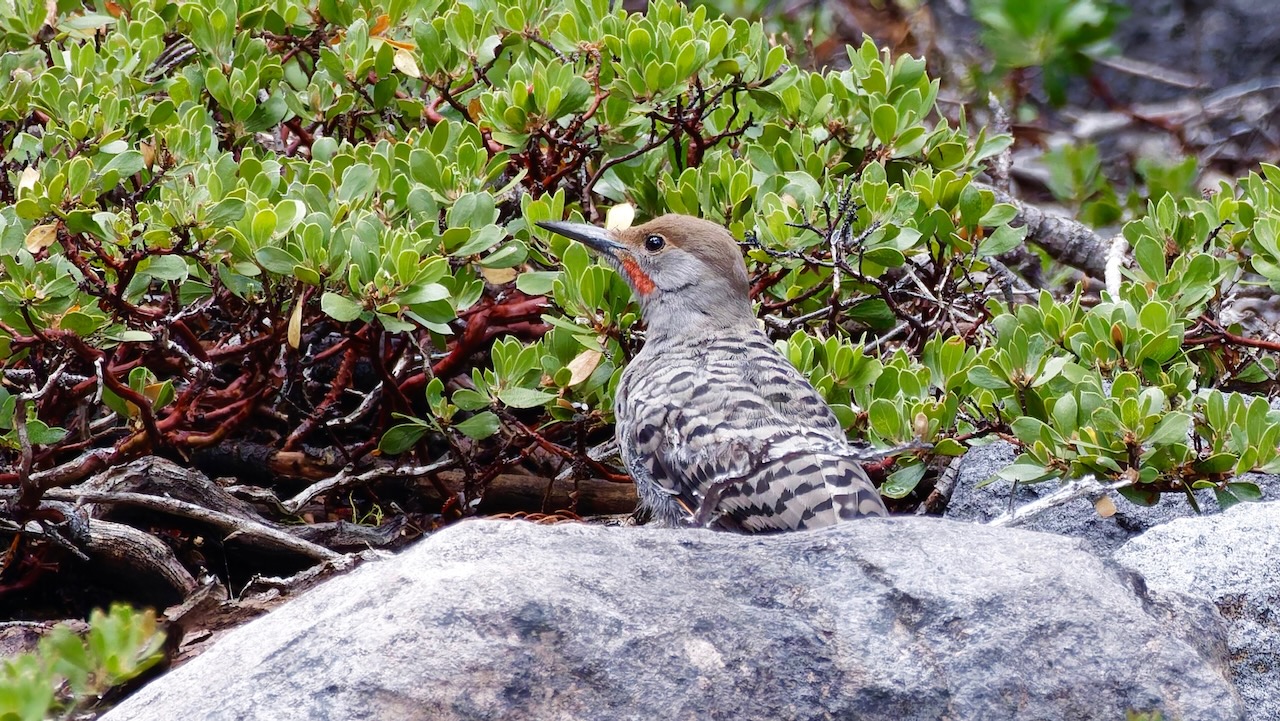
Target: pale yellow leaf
{"points": [[583, 366], [405, 63], [498, 276], [295, 325], [28, 179], [920, 425], [619, 217], [41, 237], [152, 391], [1105, 507]]}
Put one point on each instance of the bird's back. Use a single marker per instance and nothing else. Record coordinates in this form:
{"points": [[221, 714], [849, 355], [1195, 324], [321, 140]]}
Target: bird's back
{"points": [[726, 433]]}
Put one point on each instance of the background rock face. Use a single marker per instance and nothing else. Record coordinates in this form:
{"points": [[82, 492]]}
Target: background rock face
{"points": [[877, 619], [1233, 559]]}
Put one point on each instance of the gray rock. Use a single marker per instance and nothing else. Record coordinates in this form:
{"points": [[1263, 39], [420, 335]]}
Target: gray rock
{"points": [[906, 618], [1076, 518], [1232, 559]]}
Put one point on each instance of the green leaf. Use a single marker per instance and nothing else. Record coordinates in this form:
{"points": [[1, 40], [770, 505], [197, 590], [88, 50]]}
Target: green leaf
{"points": [[479, 241], [401, 438], [1140, 496], [903, 481], [1003, 240], [949, 447], [1217, 463], [82, 221], [1052, 369], [886, 257], [1024, 472], [394, 324], [884, 123], [81, 323], [1065, 412], [1029, 430], [167, 267], [982, 377], [1245, 491], [306, 275], [970, 205], [473, 210], [470, 400], [340, 308], [357, 182], [424, 293], [524, 397], [1150, 256], [277, 260], [125, 164], [802, 186], [508, 256], [537, 282], [768, 101], [263, 226], [1225, 497], [480, 426], [225, 212], [998, 215], [1171, 429], [40, 434], [874, 312]]}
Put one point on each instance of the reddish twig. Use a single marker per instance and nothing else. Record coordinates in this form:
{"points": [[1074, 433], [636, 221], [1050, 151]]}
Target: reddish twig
{"points": [[1221, 336], [341, 382]]}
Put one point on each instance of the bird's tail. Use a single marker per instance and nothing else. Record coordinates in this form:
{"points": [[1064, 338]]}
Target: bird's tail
{"points": [[801, 491]]}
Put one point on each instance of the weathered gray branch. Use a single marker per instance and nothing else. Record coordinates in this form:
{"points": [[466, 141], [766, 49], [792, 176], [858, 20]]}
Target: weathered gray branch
{"points": [[1070, 491], [1064, 239], [121, 545], [346, 478], [232, 526]]}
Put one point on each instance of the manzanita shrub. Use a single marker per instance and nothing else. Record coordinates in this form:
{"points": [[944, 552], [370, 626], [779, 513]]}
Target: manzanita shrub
{"points": [[68, 674], [309, 225]]}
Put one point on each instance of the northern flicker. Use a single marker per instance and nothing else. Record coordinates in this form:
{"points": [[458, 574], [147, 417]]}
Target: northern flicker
{"points": [[716, 427]]}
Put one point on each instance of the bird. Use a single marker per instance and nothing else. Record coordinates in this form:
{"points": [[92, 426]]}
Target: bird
{"points": [[716, 427]]}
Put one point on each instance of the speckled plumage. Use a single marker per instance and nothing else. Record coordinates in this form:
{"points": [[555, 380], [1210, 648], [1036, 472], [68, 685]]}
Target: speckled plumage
{"points": [[725, 432], [716, 427]]}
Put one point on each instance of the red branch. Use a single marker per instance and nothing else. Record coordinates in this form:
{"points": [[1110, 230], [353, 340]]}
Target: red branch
{"points": [[1229, 337], [484, 323], [341, 382]]}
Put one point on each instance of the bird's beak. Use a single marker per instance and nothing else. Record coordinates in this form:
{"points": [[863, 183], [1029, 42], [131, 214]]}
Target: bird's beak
{"points": [[595, 238]]}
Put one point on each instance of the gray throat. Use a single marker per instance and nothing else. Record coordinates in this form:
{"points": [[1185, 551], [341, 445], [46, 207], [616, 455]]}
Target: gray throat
{"points": [[671, 322]]}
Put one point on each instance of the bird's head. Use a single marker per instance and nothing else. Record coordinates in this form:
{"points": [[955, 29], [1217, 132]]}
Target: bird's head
{"points": [[686, 272]]}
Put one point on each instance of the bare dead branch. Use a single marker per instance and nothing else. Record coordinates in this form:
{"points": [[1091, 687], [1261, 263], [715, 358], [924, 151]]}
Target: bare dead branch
{"points": [[346, 479], [122, 545], [233, 526], [1067, 241], [1069, 491]]}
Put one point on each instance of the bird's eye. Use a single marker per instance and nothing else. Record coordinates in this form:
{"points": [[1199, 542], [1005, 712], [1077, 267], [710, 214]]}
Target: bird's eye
{"points": [[654, 243]]}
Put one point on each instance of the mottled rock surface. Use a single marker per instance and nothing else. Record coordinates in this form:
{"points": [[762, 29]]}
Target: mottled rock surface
{"points": [[1233, 559], [878, 619]]}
